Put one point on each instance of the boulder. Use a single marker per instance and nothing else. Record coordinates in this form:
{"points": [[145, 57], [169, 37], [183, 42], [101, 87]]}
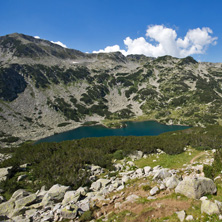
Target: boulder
{"points": [[71, 196], [82, 191], [125, 178], [171, 182], [154, 190], [84, 205], [28, 200], [118, 167], [4, 173], [136, 155], [21, 177], [55, 194], [6, 208], [132, 198], [69, 212], [96, 186], [196, 187], [18, 194], [209, 207], [161, 174], [147, 169], [181, 215], [139, 172]]}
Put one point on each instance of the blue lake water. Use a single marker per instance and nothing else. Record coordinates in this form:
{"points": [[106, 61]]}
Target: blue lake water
{"points": [[145, 128]]}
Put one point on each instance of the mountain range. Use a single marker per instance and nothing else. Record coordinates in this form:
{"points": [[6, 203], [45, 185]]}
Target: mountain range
{"points": [[47, 89]]}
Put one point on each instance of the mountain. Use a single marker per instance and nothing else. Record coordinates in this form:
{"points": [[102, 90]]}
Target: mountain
{"points": [[46, 89]]}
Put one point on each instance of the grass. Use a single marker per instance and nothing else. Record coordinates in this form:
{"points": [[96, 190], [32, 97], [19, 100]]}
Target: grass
{"points": [[168, 161]]}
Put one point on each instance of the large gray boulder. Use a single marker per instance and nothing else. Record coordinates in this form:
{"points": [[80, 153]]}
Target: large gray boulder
{"points": [[28, 200], [71, 196], [136, 155], [209, 207], [6, 208], [171, 182], [162, 174], [196, 187], [55, 194]]}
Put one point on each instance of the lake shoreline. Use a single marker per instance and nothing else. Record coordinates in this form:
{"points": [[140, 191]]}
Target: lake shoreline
{"points": [[104, 126]]}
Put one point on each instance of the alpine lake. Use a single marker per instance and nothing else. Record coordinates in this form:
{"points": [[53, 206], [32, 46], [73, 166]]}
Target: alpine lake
{"points": [[144, 128]]}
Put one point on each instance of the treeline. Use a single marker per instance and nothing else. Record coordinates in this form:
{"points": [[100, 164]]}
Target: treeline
{"points": [[66, 162]]}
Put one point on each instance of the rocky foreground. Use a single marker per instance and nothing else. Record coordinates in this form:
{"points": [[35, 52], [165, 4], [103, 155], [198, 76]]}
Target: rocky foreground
{"points": [[129, 190]]}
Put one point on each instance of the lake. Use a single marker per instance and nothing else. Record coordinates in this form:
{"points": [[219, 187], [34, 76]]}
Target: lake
{"points": [[145, 128]]}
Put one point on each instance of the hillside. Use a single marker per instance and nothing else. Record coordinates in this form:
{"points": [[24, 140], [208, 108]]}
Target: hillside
{"points": [[46, 89]]}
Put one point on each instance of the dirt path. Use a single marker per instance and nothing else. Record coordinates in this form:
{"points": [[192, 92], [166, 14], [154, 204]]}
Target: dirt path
{"points": [[196, 157]]}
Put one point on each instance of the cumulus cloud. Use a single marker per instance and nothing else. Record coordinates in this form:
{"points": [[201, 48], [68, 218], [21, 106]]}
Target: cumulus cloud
{"points": [[59, 43], [161, 40], [37, 37]]}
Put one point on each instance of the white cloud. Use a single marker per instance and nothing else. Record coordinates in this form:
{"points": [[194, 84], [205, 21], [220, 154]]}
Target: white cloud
{"points": [[163, 41], [37, 37], [59, 43]]}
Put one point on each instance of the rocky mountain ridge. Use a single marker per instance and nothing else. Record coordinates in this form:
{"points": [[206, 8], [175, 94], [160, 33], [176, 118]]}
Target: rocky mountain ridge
{"points": [[47, 89]]}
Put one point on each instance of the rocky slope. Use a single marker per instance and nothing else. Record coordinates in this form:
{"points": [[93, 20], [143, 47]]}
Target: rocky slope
{"points": [[46, 89], [130, 193]]}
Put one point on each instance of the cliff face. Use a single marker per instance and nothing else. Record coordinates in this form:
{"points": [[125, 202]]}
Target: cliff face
{"points": [[43, 85]]}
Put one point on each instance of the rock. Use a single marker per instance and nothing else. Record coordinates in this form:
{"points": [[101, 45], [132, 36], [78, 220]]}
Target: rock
{"points": [[162, 186], [125, 178], [21, 177], [147, 169], [181, 215], [130, 163], [104, 182], [22, 202], [132, 198], [18, 194], [154, 190], [1, 199], [203, 198], [30, 213], [82, 191], [118, 167], [96, 186], [71, 196], [120, 188], [161, 174], [189, 217], [209, 207], [69, 212], [196, 187], [172, 182], [84, 205], [4, 173], [54, 194], [20, 218], [136, 155], [219, 204], [139, 172], [7, 207]]}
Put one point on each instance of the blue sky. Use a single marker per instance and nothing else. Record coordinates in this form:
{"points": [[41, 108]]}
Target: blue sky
{"points": [[153, 27]]}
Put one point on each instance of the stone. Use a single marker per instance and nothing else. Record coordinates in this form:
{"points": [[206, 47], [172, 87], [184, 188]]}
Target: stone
{"points": [[125, 178], [154, 190], [162, 186], [71, 196], [161, 174], [6, 208], [21, 177], [136, 155], [139, 172], [18, 194], [172, 182], [118, 167], [104, 182], [84, 205], [28, 200], [96, 186], [30, 213], [132, 198], [21, 218], [151, 198], [189, 217], [209, 207], [120, 188], [181, 215], [196, 187], [55, 194], [82, 191], [70, 212], [1, 199], [147, 169], [4, 173], [130, 163]]}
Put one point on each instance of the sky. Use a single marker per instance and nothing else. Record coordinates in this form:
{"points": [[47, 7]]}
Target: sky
{"points": [[178, 28]]}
